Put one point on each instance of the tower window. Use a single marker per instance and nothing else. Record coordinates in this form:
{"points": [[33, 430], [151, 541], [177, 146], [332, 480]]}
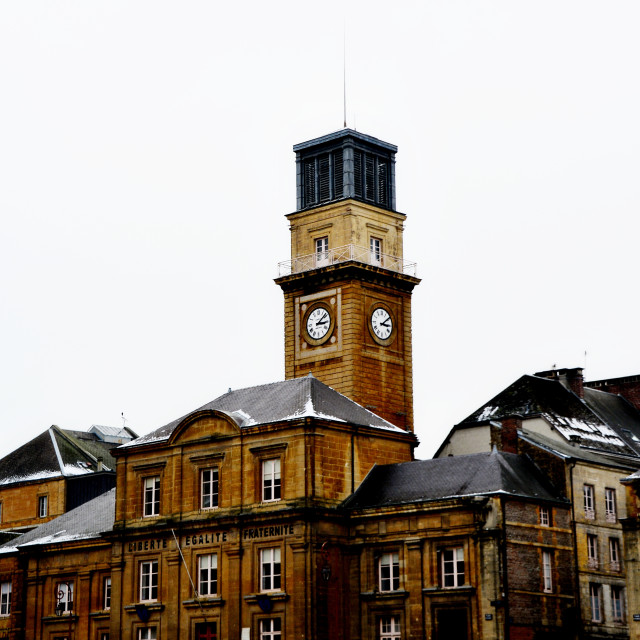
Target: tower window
{"points": [[371, 178], [322, 251], [375, 250]]}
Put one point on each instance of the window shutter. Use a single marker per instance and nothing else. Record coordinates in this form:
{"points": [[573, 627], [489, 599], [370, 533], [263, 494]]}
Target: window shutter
{"points": [[382, 183], [310, 182], [323, 171]]}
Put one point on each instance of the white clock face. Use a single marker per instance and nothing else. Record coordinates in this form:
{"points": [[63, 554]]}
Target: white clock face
{"points": [[381, 323], [318, 323]]}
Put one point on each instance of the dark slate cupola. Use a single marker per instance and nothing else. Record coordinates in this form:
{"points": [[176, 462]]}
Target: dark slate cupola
{"points": [[345, 164]]}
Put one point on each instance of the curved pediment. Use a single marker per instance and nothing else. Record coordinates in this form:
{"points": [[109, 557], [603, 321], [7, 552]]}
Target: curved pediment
{"points": [[205, 424]]}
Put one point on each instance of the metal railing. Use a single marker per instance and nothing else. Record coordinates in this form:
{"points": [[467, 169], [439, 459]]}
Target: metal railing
{"points": [[347, 253]]}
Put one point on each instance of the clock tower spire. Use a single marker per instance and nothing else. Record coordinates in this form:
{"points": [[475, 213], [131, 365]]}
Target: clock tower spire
{"points": [[347, 287]]}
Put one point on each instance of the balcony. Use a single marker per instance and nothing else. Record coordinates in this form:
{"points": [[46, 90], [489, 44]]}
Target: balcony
{"points": [[347, 253]]}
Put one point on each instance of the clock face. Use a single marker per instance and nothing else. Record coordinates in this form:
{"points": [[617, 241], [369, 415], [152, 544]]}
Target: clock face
{"points": [[318, 323], [381, 323]]}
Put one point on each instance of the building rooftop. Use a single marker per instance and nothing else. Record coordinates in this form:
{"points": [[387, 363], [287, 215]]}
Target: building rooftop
{"points": [[478, 474], [279, 402], [87, 521], [57, 453], [600, 420]]}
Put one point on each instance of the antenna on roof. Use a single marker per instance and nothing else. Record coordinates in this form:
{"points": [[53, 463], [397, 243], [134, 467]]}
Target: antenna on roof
{"points": [[124, 420], [585, 359], [344, 71]]}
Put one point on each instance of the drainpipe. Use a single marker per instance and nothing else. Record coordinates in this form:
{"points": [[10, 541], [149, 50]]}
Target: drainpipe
{"points": [[576, 577], [505, 576]]}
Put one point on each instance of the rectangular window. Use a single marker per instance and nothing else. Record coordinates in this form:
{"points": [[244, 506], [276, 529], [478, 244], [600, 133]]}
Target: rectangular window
{"points": [[388, 572], [152, 496], [148, 633], [64, 598], [614, 554], [270, 569], [322, 251], [595, 597], [149, 580], [545, 516], [271, 480], [43, 506], [452, 567], [271, 629], [5, 598], [610, 512], [375, 251], [592, 551], [589, 502], [617, 604], [209, 488], [547, 571], [390, 628], [206, 631], [208, 575], [106, 600]]}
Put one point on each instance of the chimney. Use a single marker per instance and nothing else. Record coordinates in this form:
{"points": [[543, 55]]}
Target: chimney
{"points": [[100, 461], [572, 379], [504, 435]]}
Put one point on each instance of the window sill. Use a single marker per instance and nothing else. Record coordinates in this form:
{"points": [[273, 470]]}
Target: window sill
{"points": [[149, 605], [272, 595], [100, 615], [466, 589], [383, 595], [204, 602], [67, 618]]}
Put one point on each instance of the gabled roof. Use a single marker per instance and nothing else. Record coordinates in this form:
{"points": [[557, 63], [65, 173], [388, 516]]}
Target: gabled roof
{"points": [[87, 521], [478, 474], [55, 453], [533, 396], [278, 402]]}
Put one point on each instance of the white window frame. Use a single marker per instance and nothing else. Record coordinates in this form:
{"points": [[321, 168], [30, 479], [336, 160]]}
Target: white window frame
{"points": [[270, 569], [147, 633], [610, 507], [64, 597], [151, 496], [5, 598], [617, 603], [375, 251], [271, 480], [592, 551], [271, 629], [43, 506], [389, 628], [614, 554], [208, 575], [547, 571], [106, 593], [148, 581], [322, 251], [595, 599], [389, 572], [589, 502], [451, 561], [209, 488], [545, 516]]}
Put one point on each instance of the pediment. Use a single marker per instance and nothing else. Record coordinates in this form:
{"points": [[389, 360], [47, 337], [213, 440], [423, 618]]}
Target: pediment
{"points": [[203, 425]]}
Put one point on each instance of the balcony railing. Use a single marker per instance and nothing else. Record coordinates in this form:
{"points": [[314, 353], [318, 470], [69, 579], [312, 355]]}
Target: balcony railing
{"points": [[347, 253]]}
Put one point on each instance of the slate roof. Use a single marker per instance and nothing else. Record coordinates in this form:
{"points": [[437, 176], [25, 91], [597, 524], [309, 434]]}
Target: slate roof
{"points": [[596, 420], [478, 474], [277, 402], [55, 453], [87, 521]]}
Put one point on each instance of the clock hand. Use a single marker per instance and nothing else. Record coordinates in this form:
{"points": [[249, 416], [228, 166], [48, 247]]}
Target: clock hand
{"points": [[385, 323]]}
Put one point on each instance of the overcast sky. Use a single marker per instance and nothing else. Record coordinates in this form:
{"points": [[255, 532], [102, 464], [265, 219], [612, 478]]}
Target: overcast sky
{"points": [[146, 168]]}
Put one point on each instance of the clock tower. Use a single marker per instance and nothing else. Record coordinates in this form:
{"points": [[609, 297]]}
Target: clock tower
{"points": [[347, 287]]}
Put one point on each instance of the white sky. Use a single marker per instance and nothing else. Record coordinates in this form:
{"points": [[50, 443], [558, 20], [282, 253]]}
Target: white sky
{"points": [[146, 167]]}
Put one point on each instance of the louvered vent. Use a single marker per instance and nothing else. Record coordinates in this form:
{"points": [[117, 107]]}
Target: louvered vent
{"points": [[357, 175], [383, 189], [370, 193], [324, 175], [310, 182], [338, 176]]}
